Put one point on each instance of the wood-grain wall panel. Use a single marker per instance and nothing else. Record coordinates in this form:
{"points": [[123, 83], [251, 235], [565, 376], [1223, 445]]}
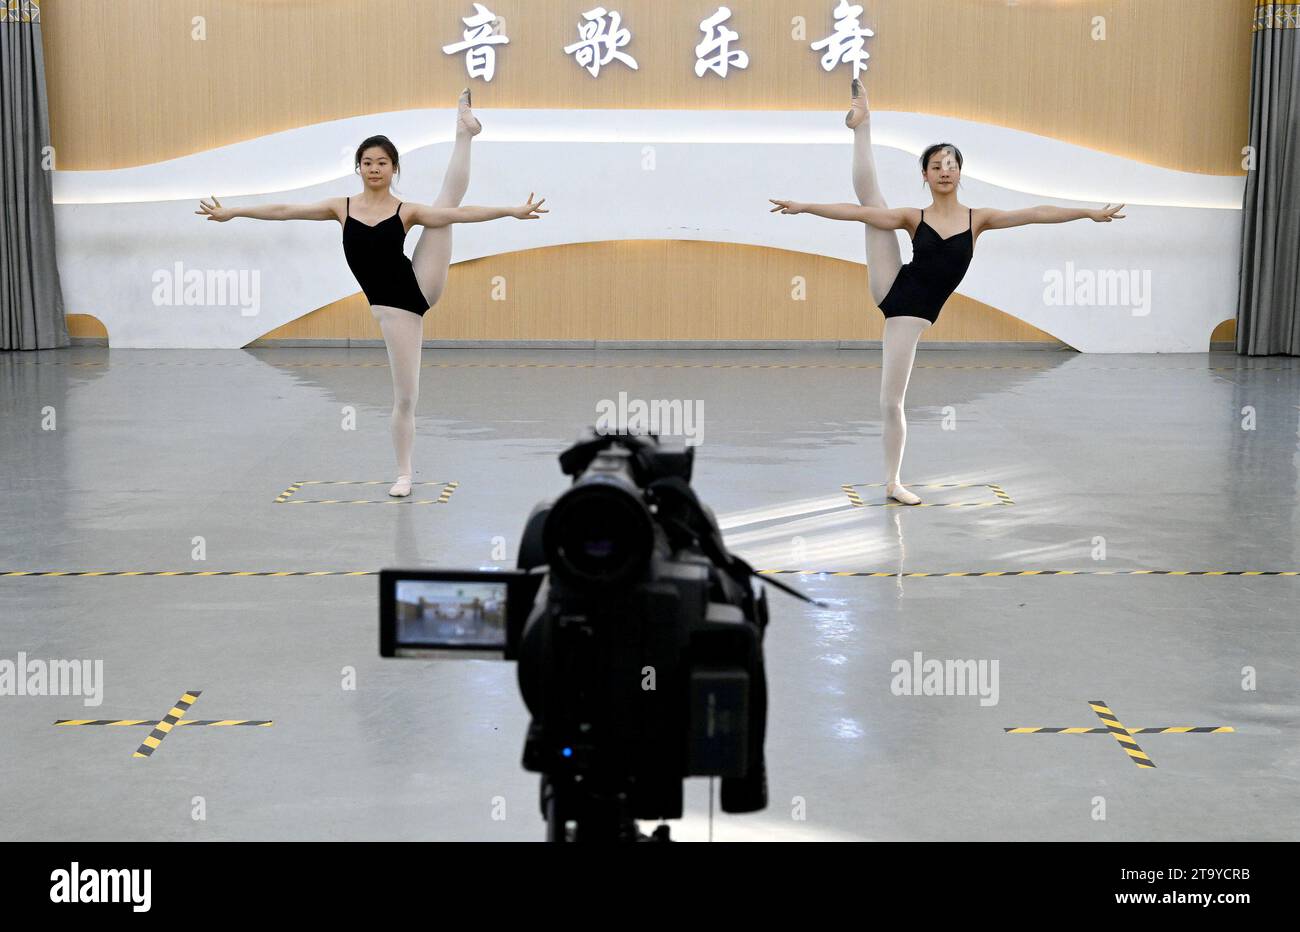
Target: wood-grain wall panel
{"points": [[129, 84], [658, 290]]}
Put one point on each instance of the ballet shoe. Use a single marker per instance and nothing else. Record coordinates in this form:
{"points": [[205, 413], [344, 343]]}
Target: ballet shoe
{"points": [[465, 117], [858, 111], [901, 495], [401, 488]]}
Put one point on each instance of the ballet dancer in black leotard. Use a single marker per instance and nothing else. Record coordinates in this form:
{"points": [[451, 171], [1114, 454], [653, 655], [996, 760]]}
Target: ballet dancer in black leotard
{"points": [[943, 242], [398, 289]]}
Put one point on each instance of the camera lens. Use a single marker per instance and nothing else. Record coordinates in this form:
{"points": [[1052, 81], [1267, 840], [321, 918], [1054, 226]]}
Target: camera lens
{"points": [[599, 531]]}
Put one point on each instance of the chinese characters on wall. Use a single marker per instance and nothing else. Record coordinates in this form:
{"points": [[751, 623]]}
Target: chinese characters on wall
{"points": [[479, 43], [602, 38], [714, 53], [846, 44], [599, 41]]}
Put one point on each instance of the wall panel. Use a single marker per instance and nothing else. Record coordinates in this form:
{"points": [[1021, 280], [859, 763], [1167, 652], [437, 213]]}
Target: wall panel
{"points": [[130, 85]]}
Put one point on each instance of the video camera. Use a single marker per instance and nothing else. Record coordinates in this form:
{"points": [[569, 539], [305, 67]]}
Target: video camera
{"points": [[638, 639]]}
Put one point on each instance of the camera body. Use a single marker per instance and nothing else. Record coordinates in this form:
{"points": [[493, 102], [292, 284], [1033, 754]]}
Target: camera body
{"points": [[638, 640]]}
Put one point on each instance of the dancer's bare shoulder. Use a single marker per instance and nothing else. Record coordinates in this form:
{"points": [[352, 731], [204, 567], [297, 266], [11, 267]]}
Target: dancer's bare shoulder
{"points": [[981, 219], [912, 219]]}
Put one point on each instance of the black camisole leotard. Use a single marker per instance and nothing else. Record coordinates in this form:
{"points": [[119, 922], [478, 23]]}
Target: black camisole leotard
{"points": [[383, 271], [938, 265]]}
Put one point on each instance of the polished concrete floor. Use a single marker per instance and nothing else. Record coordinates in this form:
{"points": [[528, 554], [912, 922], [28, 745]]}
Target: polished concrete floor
{"points": [[1109, 466]]}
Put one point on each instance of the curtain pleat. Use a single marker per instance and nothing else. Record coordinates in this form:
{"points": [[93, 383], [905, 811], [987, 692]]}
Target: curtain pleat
{"points": [[1267, 318], [31, 298]]}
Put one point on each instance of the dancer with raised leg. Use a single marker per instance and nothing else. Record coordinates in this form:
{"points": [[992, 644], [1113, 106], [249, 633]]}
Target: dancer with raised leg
{"points": [[398, 289], [943, 243]]}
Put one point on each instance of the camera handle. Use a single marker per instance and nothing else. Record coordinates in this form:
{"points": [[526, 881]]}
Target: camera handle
{"points": [[671, 494]]}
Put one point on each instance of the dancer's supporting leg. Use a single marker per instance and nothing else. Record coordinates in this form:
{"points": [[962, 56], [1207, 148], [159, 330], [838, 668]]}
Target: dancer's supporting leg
{"points": [[432, 256], [403, 334], [883, 256], [404, 330], [884, 259], [901, 337]]}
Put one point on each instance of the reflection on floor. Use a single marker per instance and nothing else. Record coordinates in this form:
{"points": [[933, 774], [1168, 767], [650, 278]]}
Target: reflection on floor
{"points": [[1110, 465]]}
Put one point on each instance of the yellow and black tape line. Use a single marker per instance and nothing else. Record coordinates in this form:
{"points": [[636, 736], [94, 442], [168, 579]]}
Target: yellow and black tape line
{"points": [[163, 728], [1124, 736], [4, 573], [286, 497], [856, 500], [287, 493], [184, 721], [885, 575], [648, 365], [175, 718], [1164, 730], [1003, 497], [1121, 734], [569, 365], [766, 572]]}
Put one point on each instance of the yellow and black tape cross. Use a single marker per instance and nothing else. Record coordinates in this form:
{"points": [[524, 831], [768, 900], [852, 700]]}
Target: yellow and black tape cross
{"points": [[163, 728], [1123, 735], [286, 497], [856, 500], [1162, 730]]}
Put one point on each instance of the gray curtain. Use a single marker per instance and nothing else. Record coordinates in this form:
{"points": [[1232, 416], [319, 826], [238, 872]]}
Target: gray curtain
{"points": [[31, 300], [1268, 319]]}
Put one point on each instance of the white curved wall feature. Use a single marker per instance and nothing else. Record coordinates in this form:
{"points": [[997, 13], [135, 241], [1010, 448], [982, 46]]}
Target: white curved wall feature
{"points": [[613, 175]]}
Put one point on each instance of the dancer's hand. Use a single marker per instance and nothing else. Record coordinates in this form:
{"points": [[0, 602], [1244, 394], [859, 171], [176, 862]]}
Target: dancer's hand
{"points": [[530, 210], [1107, 213], [215, 211], [786, 207]]}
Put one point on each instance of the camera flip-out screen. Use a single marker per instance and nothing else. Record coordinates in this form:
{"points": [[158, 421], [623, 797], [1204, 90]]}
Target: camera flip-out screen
{"points": [[430, 613]]}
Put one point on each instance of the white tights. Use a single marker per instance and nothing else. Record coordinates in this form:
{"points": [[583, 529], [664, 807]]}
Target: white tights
{"points": [[404, 330], [901, 333], [901, 336]]}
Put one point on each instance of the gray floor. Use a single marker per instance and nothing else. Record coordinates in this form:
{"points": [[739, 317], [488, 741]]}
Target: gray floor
{"points": [[1147, 454]]}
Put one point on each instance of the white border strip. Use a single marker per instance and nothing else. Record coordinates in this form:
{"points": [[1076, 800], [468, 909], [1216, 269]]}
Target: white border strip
{"points": [[1008, 158]]}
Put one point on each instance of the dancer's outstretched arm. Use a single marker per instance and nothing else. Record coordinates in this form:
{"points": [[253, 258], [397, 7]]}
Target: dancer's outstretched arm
{"points": [[882, 218], [328, 209], [991, 219], [427, 216]]}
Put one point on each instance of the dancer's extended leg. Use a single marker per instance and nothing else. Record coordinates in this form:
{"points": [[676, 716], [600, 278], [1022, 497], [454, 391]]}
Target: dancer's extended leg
{"points": [[884, 259], [883, 256], [403, 332], [432, 256], [899, 352]]}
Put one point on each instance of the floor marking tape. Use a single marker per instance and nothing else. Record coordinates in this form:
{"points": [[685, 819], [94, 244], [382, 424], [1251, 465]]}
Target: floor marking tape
{"points": [[286, 497], [164, 727], [865, 574], [855, 499]]}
